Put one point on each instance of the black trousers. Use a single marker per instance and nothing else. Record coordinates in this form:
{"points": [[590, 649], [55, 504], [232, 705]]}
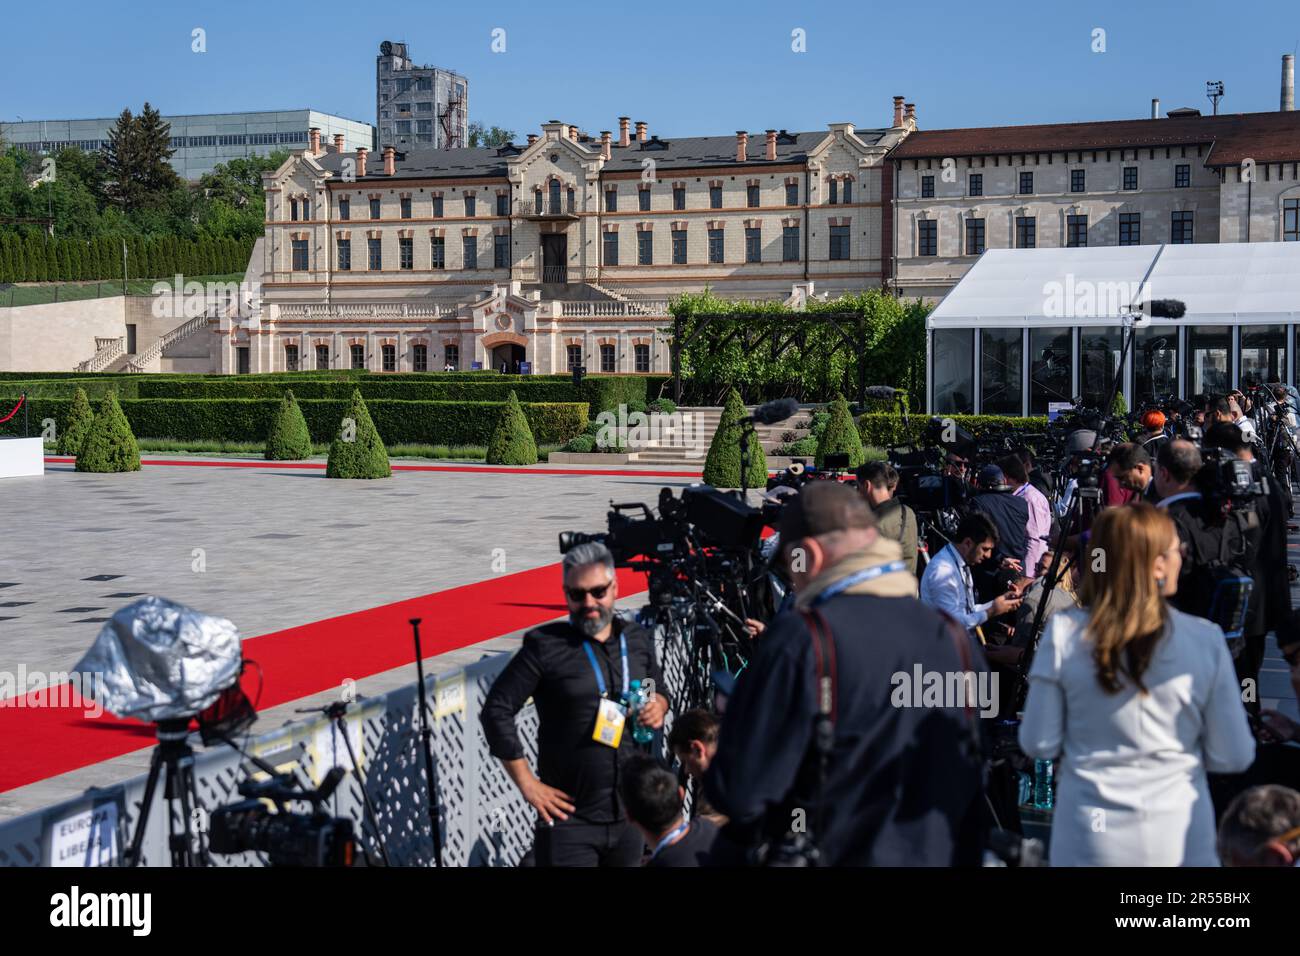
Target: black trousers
{"points": [[573, 843]]}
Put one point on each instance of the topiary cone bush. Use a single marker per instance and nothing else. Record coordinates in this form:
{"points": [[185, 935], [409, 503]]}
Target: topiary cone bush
{"points": [[722, 466], [76, 425], [841, 435], [357, 450], [109, 445], [288, 438], [512, 440]]}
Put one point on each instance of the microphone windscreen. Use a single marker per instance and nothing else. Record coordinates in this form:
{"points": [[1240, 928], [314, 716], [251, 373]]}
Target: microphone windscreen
{"points": [[777, 411], [885, 392]]}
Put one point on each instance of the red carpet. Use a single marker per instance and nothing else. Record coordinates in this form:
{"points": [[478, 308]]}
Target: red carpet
{"points": [[41, 742], [473, 469]]}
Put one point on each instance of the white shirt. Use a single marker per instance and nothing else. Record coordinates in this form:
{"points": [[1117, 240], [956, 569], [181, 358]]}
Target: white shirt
{"points": [[1132, 788], [947, 585], [1247, 428]]}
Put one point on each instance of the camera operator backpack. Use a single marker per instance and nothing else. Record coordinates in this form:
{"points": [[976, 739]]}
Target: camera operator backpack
{"points": [[1220, 583]]}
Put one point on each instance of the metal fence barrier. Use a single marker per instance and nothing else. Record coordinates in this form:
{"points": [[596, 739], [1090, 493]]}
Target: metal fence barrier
{"points": [[484, 820]]}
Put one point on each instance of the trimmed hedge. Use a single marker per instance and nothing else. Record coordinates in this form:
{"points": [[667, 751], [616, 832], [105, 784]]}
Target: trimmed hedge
{"points": [[288, 438], [512, 441], [75, 426], [885, 430], [109, 445], [361, 454], [840, 436], [722, 466]]}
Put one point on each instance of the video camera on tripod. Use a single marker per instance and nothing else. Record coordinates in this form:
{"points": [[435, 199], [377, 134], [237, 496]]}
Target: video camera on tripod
{"points": [[287, 839]]}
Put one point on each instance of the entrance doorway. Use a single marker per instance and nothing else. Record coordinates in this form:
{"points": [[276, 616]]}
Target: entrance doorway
{"points": [[510, 356], [555, 258]]}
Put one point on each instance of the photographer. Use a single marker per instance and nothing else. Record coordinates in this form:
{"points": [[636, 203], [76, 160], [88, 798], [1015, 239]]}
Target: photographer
{"points": [[948, 584], [1010, 516], [693, 741], [1127, 476], [1262, 828], [878, 482], [1039, 528], [900, 785], [1153, 435], [577, 672], [654, 799]]}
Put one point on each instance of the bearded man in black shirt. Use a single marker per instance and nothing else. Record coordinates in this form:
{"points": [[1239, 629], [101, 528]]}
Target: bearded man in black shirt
{"points": [[578, 673]]}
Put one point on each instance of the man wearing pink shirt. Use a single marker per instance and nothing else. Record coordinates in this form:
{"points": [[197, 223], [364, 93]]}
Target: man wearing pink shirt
{"points": [[1040, 512]]}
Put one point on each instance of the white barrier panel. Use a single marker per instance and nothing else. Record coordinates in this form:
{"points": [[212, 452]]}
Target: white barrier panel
{"points": [[22, 457]]}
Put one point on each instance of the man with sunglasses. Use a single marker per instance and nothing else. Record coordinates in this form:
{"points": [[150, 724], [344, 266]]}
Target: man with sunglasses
{"points": [[578, 672]]}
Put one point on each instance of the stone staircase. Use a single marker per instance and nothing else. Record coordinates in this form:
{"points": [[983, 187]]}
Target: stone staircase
{"points": [[706, 419], [107, 351], [146, 360]]}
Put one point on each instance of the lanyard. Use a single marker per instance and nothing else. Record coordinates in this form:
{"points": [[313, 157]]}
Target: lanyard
{"points": [[866, 574], [600, 677], [968, 585], [677, 831]]}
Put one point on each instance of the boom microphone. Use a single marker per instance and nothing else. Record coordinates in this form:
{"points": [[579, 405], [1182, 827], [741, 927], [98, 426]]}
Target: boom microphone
{"points": [[773, 412], [1166, 308], [882, 392]]}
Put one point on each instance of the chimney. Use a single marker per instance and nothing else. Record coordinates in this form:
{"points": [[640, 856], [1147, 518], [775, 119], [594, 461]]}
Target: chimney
{"points": [[909, 113], [314, 132], [640, 131], [532, 138], [390, 161], [742, 145], [338, 142], [622, 130], [898, 112], [573, 133], [1288, 83], [604, 143], [770, 152], [1155, 108], [362, 152]]}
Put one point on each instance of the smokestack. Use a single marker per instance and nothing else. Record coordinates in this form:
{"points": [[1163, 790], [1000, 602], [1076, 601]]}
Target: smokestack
{"points": [[605, 143], [1155, 108], [314, 132], [769, 151], [338, 142], [390, 161], [640, 131], [898, 112], [909, 113], [623, 139], [1288, 83], [573, 133], [362, 153], [742, 145]]}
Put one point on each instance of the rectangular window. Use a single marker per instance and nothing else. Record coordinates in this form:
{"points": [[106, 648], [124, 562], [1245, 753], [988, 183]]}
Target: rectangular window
{"points": [[389, 353], [848, 190], [420, 358], [1051, 356], [974, 237], [1001, 371], [792, 194], [1180, 230], [679, 197], [438, 252], [345, 209], [607, 358], [1076, 230], [574, 355], [715, 245], [1026, 232], [1099, 353], [976, 184], [293, 210], [1130, 177], [375, 250], [611, 200], [643, 198], [927, 187], [403, 127], [437, 207], [469, 205], [406, 207], [1208, 350], [1182, 175], [679, 247], [469, 252], [953, 371], [406, 253], [839, 242], [291, 358], [1130, 229], [501, 252], [834, 194], [1263, 355], [609, 248], [452, 353], [641, 355], [1077, 179], [1155, 355], [790, 244], [644, 247], [1026, 184], [715, 197], [751, 197], [927, 237], [358, 353], [345, 255], [374, 209], [322, 357], [1291, 220], [753, 245], [299, 255], [503, 204]]}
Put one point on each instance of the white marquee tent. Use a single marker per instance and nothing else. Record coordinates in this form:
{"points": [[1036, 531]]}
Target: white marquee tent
{"points": [[1026, 327]]}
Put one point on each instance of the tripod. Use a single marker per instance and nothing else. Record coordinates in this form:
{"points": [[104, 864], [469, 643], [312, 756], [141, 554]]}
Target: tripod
{"points": [[173, 754], [430, 775]]}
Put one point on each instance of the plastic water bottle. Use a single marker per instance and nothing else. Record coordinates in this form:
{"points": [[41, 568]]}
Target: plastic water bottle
{"points": [[635, 701], [1043, 785]]}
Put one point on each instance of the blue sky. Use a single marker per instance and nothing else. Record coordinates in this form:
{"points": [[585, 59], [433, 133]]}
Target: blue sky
{"points": [[686, 68]]}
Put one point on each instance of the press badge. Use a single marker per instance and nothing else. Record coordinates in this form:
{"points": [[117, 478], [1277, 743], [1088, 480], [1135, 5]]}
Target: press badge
{"points": [[610, 718]]}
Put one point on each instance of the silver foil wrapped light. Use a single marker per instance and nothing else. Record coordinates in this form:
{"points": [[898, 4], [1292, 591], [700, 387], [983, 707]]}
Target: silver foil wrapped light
{"points": [[157, 660]]}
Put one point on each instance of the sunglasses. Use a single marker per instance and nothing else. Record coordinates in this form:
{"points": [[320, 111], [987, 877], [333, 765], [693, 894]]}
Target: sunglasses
{"points": [[577, 595]]}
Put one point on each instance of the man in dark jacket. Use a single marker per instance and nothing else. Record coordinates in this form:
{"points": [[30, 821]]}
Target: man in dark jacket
{"points": [[1010, 515], [878, 482], [903, 783], [578, 673]]}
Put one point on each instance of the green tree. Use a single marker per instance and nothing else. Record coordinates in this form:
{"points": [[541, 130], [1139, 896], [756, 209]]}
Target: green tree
{"points": [[722, 465], [137, 173], [484, 137], [288, 438], [357, 450], [841, 436], [110, 445], [512, 440], [76, 425]]}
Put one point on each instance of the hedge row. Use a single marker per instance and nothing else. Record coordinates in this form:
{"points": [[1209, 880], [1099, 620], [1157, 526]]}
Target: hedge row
{"points": [[885, 430], [399, 422], [37, 258]]}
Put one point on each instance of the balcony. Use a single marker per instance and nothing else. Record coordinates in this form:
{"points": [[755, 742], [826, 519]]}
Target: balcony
{"points": [[547, 208]]}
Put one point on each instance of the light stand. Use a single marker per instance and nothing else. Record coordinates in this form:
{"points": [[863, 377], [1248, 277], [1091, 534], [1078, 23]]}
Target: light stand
{"points": [[426, 735]]}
